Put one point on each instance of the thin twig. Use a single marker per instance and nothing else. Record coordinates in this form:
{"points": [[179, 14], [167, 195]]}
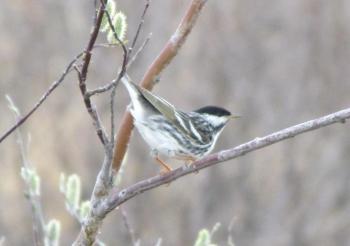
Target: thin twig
{"points": [[34, 200], [105, 174], [101, 133], [164, 58], [91, 43], [121, 72], [139, 28], [105, 45], [117, 197], [102, 89], [143, 45], [128, 226], [54, 85], [110, 23]]}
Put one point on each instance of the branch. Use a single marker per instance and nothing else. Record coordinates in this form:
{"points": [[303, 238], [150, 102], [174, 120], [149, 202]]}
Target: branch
{"points": [[91, 43], [82, 75], [164, 58], [116, 198], [54, 85]]}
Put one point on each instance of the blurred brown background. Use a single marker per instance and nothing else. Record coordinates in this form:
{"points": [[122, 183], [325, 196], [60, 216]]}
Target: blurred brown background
{"points": [[275, 62]]}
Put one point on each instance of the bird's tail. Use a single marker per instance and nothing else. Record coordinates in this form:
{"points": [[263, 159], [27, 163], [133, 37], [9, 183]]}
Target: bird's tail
{"points": [[139, 104], [135, 92], [143, 100], [133, 89]]}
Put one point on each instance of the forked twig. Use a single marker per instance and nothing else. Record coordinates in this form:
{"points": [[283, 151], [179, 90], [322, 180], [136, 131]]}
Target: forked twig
{"points": [[109, 85]]}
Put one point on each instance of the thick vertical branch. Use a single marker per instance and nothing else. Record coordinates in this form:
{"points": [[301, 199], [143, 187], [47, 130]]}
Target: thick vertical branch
{"points": [[162, 60]]}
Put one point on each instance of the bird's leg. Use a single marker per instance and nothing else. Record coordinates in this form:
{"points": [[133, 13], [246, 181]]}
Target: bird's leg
{"points": [[165, 167]]}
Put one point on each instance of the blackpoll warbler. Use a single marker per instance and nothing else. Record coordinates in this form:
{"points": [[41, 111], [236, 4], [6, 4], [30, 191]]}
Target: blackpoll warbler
{"points": [[171, 132]]}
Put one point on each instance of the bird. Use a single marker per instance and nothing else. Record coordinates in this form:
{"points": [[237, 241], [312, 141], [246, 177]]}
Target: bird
{"points": [[173, 133]]}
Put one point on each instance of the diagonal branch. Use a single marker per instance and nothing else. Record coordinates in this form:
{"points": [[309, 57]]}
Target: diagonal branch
{"points": [[164, 58], [116, 198], [54, 85]]}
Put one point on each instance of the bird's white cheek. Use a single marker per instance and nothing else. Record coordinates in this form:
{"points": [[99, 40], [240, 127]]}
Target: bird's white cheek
{"points": [[215, 121]]}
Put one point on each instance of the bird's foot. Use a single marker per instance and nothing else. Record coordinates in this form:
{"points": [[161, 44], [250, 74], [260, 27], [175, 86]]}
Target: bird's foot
{"points": [[189, 163]]}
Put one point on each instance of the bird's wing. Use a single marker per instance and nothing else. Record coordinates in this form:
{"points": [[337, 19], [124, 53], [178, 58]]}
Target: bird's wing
{"points": [[179, 119], [165, 108]]}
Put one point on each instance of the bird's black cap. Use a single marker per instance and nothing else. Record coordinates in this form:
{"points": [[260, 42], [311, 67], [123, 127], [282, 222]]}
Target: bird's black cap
{"points": [[213, 110]]}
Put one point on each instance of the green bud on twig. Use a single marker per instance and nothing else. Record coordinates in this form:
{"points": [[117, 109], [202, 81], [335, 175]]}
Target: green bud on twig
{"points": [[53, 230], [203, 238], [32, 179], [111, 8], [120, 26], [72, 192]]}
